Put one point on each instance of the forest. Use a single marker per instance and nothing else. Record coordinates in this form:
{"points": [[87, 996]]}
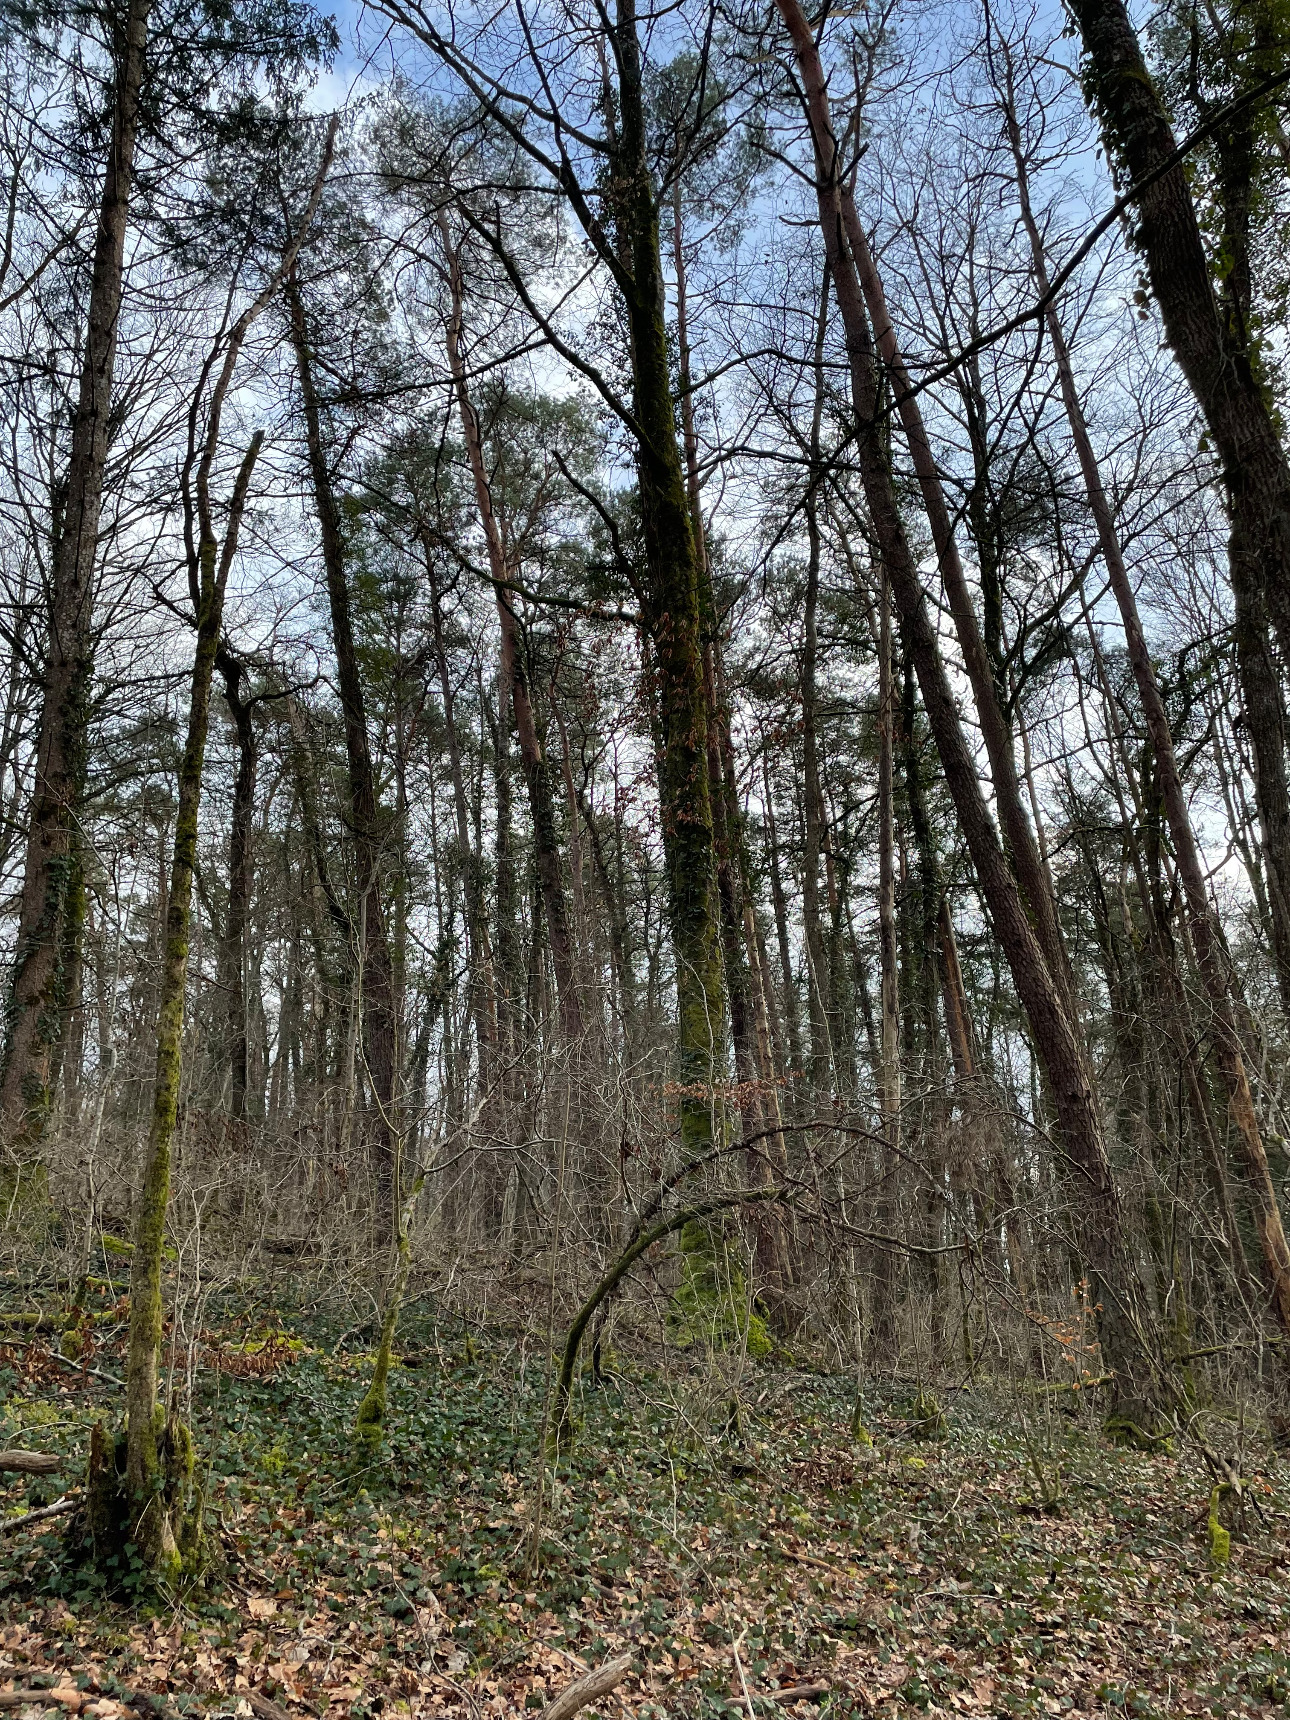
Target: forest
{"points": [[644, 858]]}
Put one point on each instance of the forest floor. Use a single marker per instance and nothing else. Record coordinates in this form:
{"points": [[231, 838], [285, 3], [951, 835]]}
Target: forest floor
{"points": [[452, 1575]]}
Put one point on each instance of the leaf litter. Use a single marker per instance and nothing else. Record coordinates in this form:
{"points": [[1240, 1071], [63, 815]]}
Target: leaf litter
{"points": [[753, 1563]]}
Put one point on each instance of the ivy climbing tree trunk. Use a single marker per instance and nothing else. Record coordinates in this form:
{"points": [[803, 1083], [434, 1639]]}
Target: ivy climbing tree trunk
{"points": [[52, 907]]}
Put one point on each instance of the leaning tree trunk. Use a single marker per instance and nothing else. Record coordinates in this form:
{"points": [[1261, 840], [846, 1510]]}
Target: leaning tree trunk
{"points": [[1023, 849], [52, 907], [1214, 348], [1042, 995], [1207, 935]]}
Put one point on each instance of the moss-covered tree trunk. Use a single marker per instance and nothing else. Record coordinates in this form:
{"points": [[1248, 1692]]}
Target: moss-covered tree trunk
{"points": [[157, 1484], [52, 906], [672, 616], [159, 1514]]}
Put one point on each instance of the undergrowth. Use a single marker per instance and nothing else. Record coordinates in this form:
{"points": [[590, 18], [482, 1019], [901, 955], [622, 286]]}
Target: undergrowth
{"points": [[1002, 1567]]}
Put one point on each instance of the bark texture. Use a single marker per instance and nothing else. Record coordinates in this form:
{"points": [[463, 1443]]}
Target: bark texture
{"points": [[52, 908]]}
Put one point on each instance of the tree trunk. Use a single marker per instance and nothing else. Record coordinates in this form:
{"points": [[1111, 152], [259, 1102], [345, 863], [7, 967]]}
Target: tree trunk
{"points": [[240, 878], [792, 1017], [373, 958], [51, 912], [483, 986], [159, 1490], [1022, 848], [889, 1097], [672, 618], [1057, 1042], [1212, 343], [537, 772], [817, 980], [1206, 932]]}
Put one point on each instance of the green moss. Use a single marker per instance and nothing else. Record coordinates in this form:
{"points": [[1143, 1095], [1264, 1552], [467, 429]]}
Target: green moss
{"points": [[369, 1423], [1122, 1427], [711, 1303], [927, 1418], [153, 1541], [859, 1432], [1220, 1540]]}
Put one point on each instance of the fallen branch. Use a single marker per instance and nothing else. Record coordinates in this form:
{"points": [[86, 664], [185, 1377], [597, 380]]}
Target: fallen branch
{"points": [[30, 1462], [589, 1688], [797, 1693], [60, 1508], [85, 1368], [265, 1708], [73, 1699]]}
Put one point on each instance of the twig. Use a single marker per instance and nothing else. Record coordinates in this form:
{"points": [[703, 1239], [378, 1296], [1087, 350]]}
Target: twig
{"points": [[60, 1508], [739, 1668], [24, 1698], [266, 1709], [85, 1368]]}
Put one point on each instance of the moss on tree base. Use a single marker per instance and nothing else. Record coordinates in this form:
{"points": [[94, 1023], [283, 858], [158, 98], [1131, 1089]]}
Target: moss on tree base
{"points": [[138, 1543]]}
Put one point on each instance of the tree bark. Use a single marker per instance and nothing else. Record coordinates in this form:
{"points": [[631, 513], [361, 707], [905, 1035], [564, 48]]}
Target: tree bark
{"points": [[1057, 1042], [240, 879], [51, 912], [1208, 941], [372, 955], [157, 1513], [537, 772], [483, 982], [672, 617], [1210, 338], [889, 1095], [1023, 850]]}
